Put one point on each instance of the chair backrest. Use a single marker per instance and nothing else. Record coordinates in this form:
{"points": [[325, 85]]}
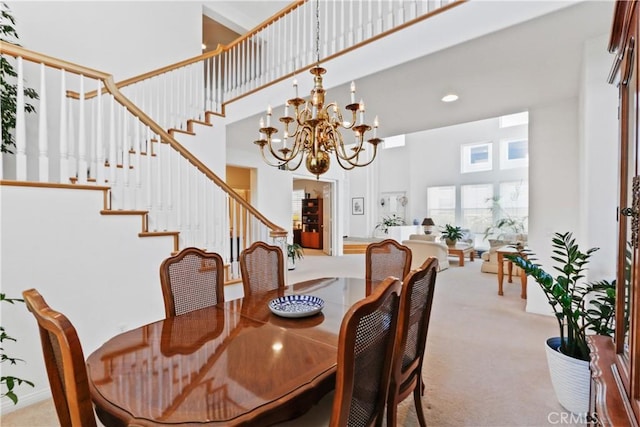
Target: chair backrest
{"points": [[65, 363], [262, 268], [387, 258], [365, 351], [190, 280], [415, 310]]}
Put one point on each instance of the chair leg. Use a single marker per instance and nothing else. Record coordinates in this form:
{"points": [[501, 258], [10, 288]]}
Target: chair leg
{"points": [[417, 399], [392, 412]]}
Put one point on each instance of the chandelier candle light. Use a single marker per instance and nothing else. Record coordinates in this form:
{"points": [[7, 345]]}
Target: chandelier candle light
{"points": [[315, 129]]}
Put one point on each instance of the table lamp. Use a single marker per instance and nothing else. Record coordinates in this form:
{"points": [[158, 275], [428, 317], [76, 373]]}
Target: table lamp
{"points": [[427, 223]]}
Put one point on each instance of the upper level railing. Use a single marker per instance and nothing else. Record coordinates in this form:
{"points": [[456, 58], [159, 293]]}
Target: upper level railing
{"points": [[276, 49], [108, 140]]}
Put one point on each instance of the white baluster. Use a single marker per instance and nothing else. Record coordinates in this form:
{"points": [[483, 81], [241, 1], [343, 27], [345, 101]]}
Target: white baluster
{"points": [[149, 175], [158, 183], [169, 185], [43, 136], [113, 156], [71, 137], [136, 164], [124, 150], [99, 138], [82, 137], [21, 127]]}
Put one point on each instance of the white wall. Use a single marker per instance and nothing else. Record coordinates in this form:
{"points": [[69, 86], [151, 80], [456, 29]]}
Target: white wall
{"points": [[102, 276], [121, 38]]}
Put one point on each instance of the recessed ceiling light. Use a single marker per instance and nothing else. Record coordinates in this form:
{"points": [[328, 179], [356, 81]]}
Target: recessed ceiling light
{"points": [[450, 97]]}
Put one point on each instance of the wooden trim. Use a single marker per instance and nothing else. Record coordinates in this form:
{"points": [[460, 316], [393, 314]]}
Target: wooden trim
{"points": [[185, 132], [11, 183], [175, 234], [192, 122]]}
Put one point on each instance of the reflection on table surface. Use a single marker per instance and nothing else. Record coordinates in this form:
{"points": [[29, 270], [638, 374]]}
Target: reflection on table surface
{"points": [[231, 363]]}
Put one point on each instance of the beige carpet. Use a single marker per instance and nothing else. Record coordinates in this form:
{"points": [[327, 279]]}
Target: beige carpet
{"points": [[485, 362]]}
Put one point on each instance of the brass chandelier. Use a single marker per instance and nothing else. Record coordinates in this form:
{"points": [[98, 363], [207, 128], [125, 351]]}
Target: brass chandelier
{"points": [[315, 129]]}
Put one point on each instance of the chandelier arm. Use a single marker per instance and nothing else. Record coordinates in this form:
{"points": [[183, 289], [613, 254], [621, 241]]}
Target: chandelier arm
{"points": [[264, 157], [299, 163], [373, 157]]}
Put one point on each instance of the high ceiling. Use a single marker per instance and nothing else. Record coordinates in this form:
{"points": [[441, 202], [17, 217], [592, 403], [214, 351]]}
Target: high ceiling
{"points": [[534, 63]]}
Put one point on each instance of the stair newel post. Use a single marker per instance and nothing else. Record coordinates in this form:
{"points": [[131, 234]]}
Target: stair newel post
{"points": [[64, 143], [148, 173], [21, 127], [124, 150], [234, 234], [82, 137], [113, 160], [180, 191], [43, 136], [99, 163]]}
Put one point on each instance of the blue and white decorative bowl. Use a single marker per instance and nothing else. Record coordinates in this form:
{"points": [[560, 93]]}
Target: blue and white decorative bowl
{"points": [[296, 305]]}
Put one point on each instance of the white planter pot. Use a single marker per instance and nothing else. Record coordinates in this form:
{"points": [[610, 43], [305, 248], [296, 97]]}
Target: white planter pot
{"points": [[291, 264], [570, 378]]}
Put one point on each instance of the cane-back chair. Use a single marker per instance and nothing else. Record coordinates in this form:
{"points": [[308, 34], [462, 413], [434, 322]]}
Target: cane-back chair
{"points": [[365, 352], [190, 280], [415, 310], [387, 258], [65, 363], [262, 268]]}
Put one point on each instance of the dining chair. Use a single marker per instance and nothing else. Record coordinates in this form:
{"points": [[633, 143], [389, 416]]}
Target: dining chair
{"points": [[190, 280], [262, 268], [387, 258], [416, 299], [365, 351], [65, 363]]}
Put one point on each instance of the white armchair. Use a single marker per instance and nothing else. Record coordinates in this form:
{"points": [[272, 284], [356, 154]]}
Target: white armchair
{"points": [[422, 249]]}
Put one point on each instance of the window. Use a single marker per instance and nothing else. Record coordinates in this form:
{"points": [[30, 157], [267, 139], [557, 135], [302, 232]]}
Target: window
{"points": [[441, 203], [476, 207], [514, 154], [514, 200], [476, 157]]}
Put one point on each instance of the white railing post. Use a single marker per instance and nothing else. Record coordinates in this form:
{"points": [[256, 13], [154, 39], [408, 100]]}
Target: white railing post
{"points": [[99, 173], [82, 137], [64, 143], [43, 139], [21, 127]]}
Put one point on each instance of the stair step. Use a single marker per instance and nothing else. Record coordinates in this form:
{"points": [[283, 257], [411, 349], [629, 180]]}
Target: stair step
{"points": [[107, 164], [209, 114], [142, 153], [173, 131], [191, 122], [175, 235]]}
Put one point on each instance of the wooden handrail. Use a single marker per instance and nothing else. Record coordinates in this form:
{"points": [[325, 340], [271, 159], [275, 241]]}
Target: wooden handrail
{"points": [[60, 64], [110, 85]]}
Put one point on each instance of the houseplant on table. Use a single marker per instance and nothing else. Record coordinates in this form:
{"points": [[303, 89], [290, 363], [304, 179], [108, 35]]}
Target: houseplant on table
{"points": [[451, 234], [579, 308], [389, 221], [294, 251]]}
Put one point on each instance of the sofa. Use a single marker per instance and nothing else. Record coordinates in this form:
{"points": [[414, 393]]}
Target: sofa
{"points": [[490, 257], [421, 249]]}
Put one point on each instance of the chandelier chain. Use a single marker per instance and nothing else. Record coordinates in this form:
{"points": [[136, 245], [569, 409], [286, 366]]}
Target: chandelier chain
{"points": [[318, 31]]}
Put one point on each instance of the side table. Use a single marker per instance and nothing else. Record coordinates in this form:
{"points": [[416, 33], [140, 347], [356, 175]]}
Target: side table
{"points": [[501, 252]]}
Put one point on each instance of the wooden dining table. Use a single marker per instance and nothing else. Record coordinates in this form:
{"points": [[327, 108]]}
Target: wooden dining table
{"points": [[235, 363]]}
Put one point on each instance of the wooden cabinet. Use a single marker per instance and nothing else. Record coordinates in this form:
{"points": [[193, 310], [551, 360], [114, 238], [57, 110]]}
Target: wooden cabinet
{"points": [[312, 223], [615, 363]]}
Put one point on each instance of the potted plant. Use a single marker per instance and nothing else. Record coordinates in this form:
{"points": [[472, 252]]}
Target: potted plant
{"points": [[294, 251], [389, 221], [9, 382], [451, 234], [580, 308], [9, 85]]}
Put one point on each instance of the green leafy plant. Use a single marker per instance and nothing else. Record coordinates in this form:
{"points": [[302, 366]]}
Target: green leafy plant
{"points": [[9, 382], [294, 251], [451, 233], [8, 84], [505, 224], [389, 221], [579, 307]]}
